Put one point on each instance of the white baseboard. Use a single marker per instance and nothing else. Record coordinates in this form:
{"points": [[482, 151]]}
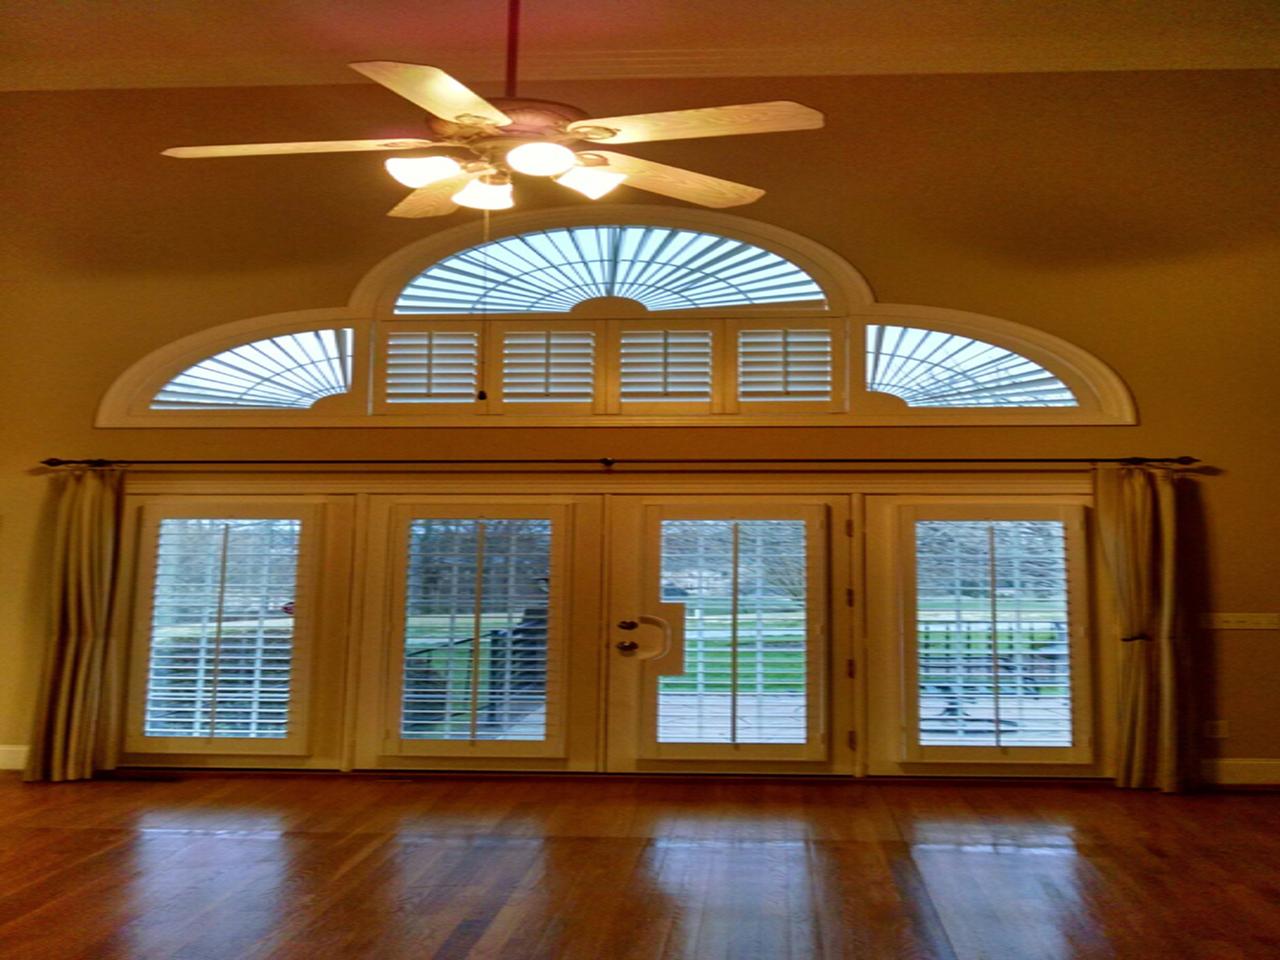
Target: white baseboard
{"points": [[1242, 772], [13, 756]]}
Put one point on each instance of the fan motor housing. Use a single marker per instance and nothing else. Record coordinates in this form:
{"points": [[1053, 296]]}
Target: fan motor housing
{"points": [[530, 118]]}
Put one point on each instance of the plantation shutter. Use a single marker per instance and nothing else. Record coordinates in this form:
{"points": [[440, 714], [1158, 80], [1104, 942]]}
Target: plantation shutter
{"points": [[785, 365], [289, 371], [992, 627], [548, 366], [930, 368], [480, 608], [222, 637], [437, 366], [665, 365], [743, 586], [476, 629]]}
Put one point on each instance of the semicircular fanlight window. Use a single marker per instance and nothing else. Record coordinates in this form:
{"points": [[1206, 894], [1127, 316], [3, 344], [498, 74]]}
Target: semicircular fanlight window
{"points": [[551, 271], [929, 368], [290, 371]]}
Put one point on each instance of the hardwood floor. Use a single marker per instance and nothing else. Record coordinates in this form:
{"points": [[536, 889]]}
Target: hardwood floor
{"points": [[293, 867]]}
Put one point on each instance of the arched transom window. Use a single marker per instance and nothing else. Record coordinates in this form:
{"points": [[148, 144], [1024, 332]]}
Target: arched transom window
{"points": [[553, 271], [630, 321]]}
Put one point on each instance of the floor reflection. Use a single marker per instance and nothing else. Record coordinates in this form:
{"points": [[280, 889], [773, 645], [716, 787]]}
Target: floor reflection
{"points": [[302, 869], [197, 891], [1028, 891]]}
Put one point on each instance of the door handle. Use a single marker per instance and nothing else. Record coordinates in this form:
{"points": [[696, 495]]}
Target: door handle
{"points": [[630, 646]]}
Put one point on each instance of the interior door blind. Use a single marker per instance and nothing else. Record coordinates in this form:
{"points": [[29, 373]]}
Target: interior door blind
{"points": [[548, 366], [744, 587], [784, 365], [222, 628], [665, 365], [478, 615], [992, 633], [432, 367]]}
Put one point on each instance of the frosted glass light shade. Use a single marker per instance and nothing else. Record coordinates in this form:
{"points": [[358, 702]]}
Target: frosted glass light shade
{"points": [[592, 182], [540, 159], [419, 171], [485, 196]]}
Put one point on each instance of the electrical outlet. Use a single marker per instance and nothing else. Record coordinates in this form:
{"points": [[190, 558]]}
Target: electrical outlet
{"points": [[1242, 621], [1217, 729]]}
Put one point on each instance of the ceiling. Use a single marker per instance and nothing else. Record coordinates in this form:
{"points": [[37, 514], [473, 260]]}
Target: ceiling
{"points": [[90, 44]]}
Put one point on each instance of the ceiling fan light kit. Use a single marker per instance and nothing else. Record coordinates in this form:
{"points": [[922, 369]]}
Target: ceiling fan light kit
{"points": [[541, 158], [593, 182], [533, 138], [490, 191], [417, 172]]}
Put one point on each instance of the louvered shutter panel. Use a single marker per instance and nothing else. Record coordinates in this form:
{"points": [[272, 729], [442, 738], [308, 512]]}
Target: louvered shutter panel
{"points": [[932, 368], [548, 366], [438, 366], [222, 628], [552, 271], [290, 371], [665, 365], [992, 633], [784, 365]]}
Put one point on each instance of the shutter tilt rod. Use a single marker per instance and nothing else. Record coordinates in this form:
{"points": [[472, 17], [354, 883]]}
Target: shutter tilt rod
{"points": [[609, 463]]}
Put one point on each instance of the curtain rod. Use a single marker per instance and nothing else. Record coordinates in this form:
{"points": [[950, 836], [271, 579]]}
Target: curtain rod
{"points": [[609, 463]]}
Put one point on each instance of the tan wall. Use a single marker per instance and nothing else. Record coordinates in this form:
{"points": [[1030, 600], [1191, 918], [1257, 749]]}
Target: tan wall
{"points": [[1133, 214]]}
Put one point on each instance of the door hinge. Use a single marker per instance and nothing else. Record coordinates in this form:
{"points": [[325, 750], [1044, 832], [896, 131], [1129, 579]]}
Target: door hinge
{"points": [[848, 596], [851, 668], [848, 527], [853, 739]]}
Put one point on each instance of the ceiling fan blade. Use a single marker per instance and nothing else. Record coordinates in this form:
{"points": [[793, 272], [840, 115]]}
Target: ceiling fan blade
{"points": [[432, 89], [308, 146], [770, 117], [681, 184], [433, 200]]}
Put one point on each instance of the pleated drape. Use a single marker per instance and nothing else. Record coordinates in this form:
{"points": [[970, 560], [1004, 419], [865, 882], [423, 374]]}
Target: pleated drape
{"points": [[69, 712], [1137, 527]]}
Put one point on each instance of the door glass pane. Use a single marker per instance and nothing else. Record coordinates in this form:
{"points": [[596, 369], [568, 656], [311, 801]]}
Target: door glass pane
{"points": [[743, 584], [993, 644], [222, 628], [476, 626]]}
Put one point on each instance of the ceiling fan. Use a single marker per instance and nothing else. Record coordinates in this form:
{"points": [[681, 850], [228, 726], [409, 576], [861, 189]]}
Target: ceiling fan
{"points": [[474, 145]]}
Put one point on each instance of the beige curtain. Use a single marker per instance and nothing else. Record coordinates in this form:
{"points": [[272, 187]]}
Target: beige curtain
{"points": [[69, 712], [1137, 526]]}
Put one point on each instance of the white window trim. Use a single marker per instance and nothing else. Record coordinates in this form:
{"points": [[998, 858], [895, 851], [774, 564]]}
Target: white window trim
{"points": [[1103, 398]]}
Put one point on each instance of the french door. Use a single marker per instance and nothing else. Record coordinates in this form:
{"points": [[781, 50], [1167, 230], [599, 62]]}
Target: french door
{"points": [[719, 638], [624, 633], [480, 645]]}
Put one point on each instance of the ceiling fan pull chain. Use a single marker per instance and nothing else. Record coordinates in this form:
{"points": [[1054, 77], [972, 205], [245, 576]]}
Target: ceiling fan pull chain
{"points": [[513, 45], [481, 359]]}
